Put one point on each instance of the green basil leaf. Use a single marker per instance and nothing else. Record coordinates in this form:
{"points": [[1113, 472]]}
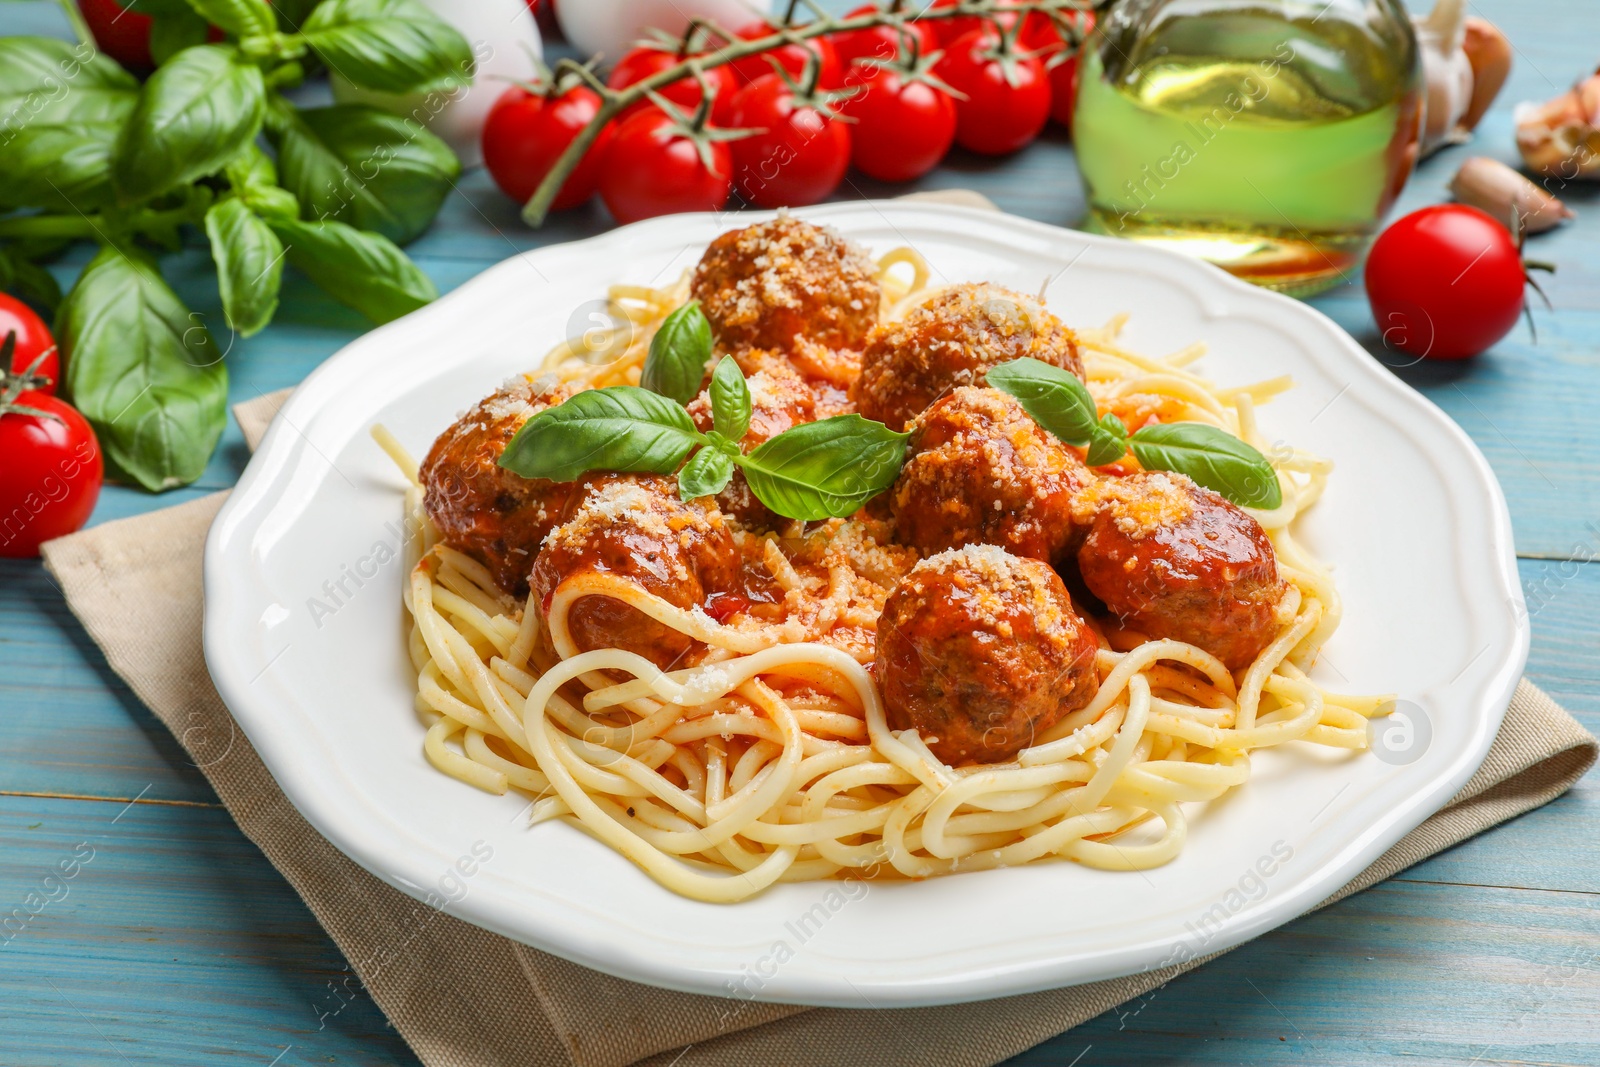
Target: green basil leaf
{"points": [[254, 178], [618, 428], [825, 469], [61, 108], [64, 166], [1057, 399], [1105, 447], [730, 400], [678, 355], [249, 264], [395, 46], [28, 280], [242, 18], [193, 115], [706, 474], [48, 81], [363, 166], [1213, 457], [292, 14], [143, 371], [362, 270], [171, 33]]}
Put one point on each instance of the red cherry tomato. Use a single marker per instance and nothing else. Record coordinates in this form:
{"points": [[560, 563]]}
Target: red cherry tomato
{"points": [[1064, 78], [121, 34], [32, 339], [880, 42], [791, 57], [1039, 32], [51, 475], [904, 126], [642, 62], [654, 167], [1445, 282], [801, 154], [1008, 93], [525, 133]]}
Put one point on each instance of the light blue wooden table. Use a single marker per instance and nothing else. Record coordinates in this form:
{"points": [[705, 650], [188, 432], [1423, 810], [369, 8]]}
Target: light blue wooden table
{"points": [[177, 943]]}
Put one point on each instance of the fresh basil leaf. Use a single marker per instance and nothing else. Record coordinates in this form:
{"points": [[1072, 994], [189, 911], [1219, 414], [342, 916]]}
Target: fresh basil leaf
{"points": [[48, 81], [61, 109], [679, 351], [824, 469], [618, 428], [171, 33], [193, 115], [395, 46], [63, 166], [730, 400], [706, 474], [362, 166], [249, 264], [1105, 448], [242, 18], [1213, 457], [28, 280], [254, 178], [1056, 398], [362, 270], [143, 370]]}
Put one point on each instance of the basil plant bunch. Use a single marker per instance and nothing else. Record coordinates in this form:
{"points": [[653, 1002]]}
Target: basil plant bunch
{"points": [[209, 142]]}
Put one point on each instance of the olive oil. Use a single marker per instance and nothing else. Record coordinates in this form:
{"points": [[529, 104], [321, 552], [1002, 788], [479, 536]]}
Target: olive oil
{"points": [[1262, 136]]}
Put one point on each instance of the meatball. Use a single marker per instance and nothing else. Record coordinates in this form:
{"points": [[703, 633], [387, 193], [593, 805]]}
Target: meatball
{"points": [[778, 401], [981, 651], [982, 471], [1174, 560], [634, 525], [951, 340], [479, 507], [771, 284]]}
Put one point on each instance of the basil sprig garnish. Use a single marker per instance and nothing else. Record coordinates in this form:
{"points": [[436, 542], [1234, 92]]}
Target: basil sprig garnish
{"points": [[679, 351], [813, 471], [1059, 401]]}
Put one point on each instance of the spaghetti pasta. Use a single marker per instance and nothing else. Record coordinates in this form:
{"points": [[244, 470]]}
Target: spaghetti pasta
{"points": [[771, 759]]}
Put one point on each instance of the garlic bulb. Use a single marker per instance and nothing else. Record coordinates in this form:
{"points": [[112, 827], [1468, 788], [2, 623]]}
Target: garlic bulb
{"points": [[1561, 137], [1495, 188], [1465, 62]]}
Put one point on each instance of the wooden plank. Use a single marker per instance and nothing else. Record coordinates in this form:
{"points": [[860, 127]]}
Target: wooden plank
{"points": [[172, 941], [176, 943], [1403, 972]]}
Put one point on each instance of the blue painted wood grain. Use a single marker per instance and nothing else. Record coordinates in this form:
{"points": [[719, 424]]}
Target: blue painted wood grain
{"points": [[178, 944]]}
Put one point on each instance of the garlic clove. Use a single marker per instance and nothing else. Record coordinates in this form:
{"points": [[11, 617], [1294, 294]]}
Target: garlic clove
{"points": [[1495, 188], [1489, 53], [1561, 137]]}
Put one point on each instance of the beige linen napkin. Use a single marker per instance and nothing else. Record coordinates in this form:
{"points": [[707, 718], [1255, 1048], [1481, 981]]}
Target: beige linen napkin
{"points": [[463, 997]]}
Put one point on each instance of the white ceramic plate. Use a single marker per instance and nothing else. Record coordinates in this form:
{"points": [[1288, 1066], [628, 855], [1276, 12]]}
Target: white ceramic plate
{"points": [[1413, 520]]}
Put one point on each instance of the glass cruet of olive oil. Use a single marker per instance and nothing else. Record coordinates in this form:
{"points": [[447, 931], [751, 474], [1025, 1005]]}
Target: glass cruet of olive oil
{"points": [[1267, 136]]}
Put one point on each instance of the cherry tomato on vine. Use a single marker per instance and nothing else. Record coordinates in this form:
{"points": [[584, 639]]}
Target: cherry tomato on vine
{"points": [[802, 150], [659, 164], [32, 339], [1445, 282], [1007, 92], [526, 132], [52, 471], [646, 60], [1038, 32], [905, 121], [1064, 76], [123, 33], [791, 57], [880, 42]]}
